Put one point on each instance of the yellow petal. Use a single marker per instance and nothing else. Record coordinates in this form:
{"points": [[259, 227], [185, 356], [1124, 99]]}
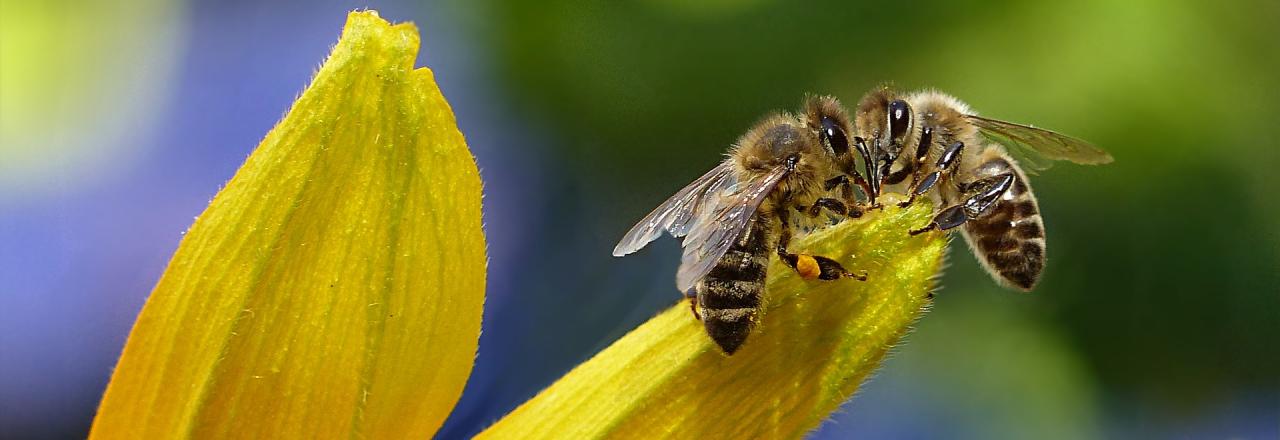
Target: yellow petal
{"points": [[334, 287], [816, 342]]}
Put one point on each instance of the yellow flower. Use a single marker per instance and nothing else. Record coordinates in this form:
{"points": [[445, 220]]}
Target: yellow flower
{"points": [[335, 286], [334, 289]]}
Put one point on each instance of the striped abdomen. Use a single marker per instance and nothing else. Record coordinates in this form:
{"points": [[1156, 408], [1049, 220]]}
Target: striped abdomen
{"points": [[1009, 238], [729, 295]]}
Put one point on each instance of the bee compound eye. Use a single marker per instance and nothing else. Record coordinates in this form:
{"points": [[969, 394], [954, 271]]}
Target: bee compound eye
{"points": [[834, 136], [899, 119]]}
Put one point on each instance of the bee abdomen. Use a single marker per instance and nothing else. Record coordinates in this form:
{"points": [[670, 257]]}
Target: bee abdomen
{"points": [[729, 328], [740, 265], [1009, 237], [730, 294]]}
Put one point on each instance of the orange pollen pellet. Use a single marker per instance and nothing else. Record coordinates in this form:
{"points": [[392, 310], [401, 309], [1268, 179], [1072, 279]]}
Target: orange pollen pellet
{"points": [[807, 267]]}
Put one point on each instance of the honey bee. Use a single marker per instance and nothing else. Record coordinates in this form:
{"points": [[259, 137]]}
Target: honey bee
{"points": [[735, 214], [965, 159]]}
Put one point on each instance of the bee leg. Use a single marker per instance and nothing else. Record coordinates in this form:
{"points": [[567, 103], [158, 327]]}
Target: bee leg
{"points": [[979, 196], [896, 177], [916, 165], [855, 211], [847, 193], [841, 181], [852, 207], [835, 206], [810, 266], [693, 303], [945, 166], [913, 167], [871, 184]]}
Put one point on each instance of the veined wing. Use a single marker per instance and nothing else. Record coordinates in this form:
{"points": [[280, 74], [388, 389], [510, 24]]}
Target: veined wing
{"points": [[1037, 148], [676, 214], [711, 235]]}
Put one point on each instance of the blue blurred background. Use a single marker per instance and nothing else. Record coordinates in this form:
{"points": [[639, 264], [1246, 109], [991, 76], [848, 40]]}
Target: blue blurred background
{"points": [[1157, 316]]}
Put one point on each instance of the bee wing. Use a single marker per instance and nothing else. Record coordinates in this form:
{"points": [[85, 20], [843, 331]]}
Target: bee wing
{"points": [[675, 214], [1037, 148], [714, 231]]}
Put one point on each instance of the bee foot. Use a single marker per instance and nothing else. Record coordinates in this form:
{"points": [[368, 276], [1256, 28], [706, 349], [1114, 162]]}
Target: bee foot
{"points": [[928, 228], [856, 212]]}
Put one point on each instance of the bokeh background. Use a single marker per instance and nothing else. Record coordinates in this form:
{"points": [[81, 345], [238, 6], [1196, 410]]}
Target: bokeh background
{"points": [[1158, 316]]}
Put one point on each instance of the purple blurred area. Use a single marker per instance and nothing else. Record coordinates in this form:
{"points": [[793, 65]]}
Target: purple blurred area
{"points": [[583, 118]]}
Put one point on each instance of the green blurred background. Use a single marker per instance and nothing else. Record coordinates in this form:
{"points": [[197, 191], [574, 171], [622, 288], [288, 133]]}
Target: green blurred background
{"points": [[1158, 313]]}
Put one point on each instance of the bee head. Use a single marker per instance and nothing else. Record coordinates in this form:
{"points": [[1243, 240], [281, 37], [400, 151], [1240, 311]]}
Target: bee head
{"points": [[872, 120], [886, 121], [828, 119]]}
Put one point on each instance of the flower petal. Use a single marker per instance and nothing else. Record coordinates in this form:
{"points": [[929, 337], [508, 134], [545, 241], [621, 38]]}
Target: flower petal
{"points": [[334, 287], [816, 342]]}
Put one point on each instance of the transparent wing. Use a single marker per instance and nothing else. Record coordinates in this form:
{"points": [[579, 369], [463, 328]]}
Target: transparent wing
{"points": [[712, 234], [675, 214], [1037, 148]]}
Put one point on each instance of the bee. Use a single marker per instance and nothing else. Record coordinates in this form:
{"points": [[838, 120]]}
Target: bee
{"points": [[735, 214], [938, 143]]}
